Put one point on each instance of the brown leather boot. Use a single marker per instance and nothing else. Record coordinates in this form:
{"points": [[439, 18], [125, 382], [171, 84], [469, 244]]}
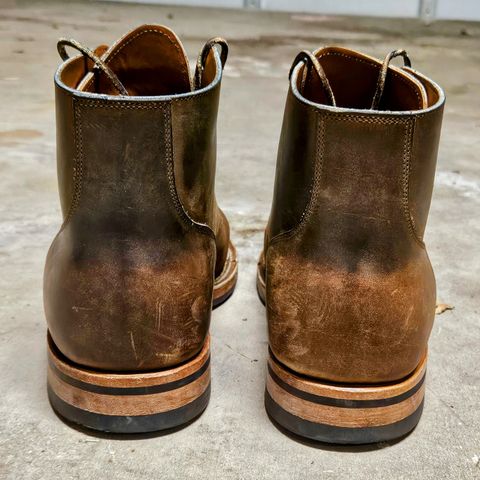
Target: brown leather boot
{"points": [[144, 249], [348, 285]]}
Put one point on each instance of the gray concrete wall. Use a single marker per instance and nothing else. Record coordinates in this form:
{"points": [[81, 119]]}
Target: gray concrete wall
{"points": [[428, 10]]}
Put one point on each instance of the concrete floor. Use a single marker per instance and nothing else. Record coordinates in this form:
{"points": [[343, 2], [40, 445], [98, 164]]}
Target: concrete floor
{"points": [[234, 438]]}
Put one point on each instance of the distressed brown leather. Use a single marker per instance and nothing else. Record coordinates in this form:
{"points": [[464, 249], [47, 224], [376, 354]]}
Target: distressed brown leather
{"points": [[350, 290], [129, 277]]}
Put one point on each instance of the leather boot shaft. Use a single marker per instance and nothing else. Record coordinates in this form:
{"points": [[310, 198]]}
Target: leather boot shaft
{"points": [[350, 290], [129, 278]]}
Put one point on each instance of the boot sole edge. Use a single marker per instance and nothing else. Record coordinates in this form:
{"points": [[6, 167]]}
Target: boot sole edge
{"points": [[343, 414], [129, 402]]}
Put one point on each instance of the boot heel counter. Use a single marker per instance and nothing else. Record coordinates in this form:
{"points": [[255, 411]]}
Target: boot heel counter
{"points": [[128, 311], [363, 326]]}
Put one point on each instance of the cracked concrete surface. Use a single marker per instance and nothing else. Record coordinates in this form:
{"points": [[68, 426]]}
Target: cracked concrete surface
{"points": [[234, 438]]}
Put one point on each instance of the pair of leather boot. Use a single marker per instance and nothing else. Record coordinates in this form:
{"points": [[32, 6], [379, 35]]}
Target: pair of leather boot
{"points": [[144, 252]]}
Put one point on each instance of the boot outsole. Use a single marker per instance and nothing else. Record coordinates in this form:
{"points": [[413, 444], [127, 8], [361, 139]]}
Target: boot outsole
{"points": [[341, 413], [128, 402]]}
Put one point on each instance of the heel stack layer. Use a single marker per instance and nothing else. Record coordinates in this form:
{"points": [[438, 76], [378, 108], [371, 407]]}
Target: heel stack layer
{"points": [[336, 413], [129, 402]]}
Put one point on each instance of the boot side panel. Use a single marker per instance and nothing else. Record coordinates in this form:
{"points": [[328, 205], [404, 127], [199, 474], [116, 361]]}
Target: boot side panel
{"points": [[65, 149], [194, 138], [350, 291], [294, 177], [128, 280], [426, 139]]}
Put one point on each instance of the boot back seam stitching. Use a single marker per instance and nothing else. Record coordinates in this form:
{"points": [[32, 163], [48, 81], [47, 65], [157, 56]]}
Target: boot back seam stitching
{"points": [[79, 163], [320, 146]]}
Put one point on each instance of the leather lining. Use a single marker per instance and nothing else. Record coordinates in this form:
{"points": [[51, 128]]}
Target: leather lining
{"points": [[353, 78]]}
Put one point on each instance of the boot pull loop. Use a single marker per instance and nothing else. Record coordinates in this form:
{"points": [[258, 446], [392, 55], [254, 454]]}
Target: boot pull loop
{"points": [[310, 59], [202, 58], [100, 64], [382, 77]]}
